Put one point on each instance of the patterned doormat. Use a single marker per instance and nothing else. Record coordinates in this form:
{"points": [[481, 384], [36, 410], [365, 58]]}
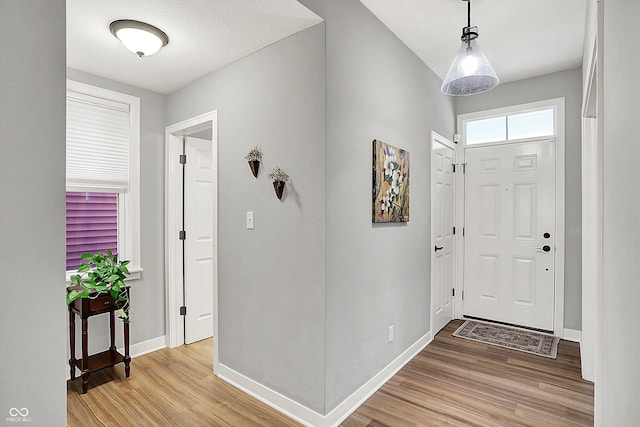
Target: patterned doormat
{"points": [[509, 337]]}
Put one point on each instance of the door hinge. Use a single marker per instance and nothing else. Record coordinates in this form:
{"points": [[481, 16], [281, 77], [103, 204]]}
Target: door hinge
{"points": [[183, 311], [182, 235], [462, 231], [454, 231], [453, 292], [463, 295], [183, 159]]}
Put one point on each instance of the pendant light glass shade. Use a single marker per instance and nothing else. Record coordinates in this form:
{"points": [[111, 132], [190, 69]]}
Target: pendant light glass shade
{"points": [[470, 73], [139, 37]]}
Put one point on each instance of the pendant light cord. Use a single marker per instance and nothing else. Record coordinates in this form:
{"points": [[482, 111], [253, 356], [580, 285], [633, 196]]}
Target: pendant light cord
{"points": [[468, 25]]}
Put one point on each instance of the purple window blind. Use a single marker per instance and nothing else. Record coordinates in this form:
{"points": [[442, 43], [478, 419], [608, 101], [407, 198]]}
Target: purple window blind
{"points": [[92, 225]]}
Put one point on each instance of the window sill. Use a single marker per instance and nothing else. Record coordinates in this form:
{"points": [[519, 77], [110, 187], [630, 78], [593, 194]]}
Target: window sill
{"points": [[136, 273]]}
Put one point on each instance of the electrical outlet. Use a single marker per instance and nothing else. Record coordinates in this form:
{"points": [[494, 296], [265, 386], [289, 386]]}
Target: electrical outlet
{"points": [[390, 333], [250, 225]]}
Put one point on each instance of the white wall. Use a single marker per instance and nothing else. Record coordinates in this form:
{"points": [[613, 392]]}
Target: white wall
{"points": [[377, 275], [271, 279], [33, 315], [567, 84], [618, 376]]}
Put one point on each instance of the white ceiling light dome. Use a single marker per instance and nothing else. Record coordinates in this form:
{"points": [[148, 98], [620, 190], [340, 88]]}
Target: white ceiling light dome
{"points": [[139, 37]]}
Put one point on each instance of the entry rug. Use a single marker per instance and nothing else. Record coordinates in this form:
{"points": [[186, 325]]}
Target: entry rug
{"points": [[509, 337]]}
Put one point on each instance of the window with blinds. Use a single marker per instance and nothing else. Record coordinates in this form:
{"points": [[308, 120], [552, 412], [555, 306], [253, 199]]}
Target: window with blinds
{"points": [[98, 172]]}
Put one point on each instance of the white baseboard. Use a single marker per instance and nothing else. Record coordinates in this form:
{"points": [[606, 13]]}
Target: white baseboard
{"points": [[357, 398], [572, 335], [135, 350], [278, 401], [587, 365], [309, 417], [144, 347]]}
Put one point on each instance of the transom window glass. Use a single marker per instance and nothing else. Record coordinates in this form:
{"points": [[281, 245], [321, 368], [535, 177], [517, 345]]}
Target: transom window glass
{"points": [[511, 127], [530, 125], [487, 130]]}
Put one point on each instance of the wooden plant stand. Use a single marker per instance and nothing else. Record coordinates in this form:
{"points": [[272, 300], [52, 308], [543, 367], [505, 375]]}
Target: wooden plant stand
{"points": [[85, 308]]}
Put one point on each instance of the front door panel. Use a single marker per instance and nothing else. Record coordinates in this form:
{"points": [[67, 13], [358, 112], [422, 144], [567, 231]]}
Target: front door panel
{"points": [[509, 206]]}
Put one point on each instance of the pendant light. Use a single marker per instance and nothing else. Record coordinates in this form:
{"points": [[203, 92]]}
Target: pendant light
{"points": [[139, 37], [470, 72]]}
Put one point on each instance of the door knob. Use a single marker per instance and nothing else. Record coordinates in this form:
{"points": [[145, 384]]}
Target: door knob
{"points": [[438, 248], [545, 248]]}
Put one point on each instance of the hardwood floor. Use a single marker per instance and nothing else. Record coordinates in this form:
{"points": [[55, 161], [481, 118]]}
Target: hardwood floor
{"points": [[452, 382], [169, 387], [457, 382]]}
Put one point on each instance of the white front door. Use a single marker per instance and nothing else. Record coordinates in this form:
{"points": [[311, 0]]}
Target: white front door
{"points": [[442, 241], [509, 236], [199, 257]]}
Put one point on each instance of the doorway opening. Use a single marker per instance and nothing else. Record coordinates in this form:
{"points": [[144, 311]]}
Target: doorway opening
{"points": [[443, 230], [511, 207], [191, 233]]}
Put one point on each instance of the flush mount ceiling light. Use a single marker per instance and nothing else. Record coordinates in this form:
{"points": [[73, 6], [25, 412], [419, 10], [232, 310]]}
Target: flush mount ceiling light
{"points": [[470, 72], [139, 37]]}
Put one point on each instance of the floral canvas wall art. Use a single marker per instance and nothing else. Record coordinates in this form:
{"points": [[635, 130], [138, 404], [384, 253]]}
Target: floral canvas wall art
{"points": [[390, 183]]}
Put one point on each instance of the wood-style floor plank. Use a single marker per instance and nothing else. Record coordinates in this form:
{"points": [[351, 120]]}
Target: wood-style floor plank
{"points": [[457, 382], [169, 387], [452, 382]]}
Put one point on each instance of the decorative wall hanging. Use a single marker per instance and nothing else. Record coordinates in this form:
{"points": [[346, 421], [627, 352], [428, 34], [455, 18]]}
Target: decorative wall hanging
{"points": [[279, 178], [390, 183], [254, 157]]}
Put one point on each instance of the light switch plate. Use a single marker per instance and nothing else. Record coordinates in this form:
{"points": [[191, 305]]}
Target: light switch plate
{"points": [[250, 224]]}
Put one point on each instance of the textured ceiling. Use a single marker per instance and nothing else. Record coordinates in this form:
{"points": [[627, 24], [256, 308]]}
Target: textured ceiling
{"points": [[204, 35], [521, 38]]}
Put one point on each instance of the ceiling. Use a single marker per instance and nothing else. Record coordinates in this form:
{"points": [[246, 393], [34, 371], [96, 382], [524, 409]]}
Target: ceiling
{"points": [[520, 38], [204, 35]]}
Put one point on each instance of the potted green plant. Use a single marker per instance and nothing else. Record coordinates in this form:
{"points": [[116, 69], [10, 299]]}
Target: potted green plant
{"points": [[101, 273], [279, 178], [254, 156]]}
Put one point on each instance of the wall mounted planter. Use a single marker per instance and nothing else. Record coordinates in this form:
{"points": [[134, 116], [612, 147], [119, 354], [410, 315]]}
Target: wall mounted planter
{"points": [[253, 157], [255, 166], [278, 177], [279, 187]]}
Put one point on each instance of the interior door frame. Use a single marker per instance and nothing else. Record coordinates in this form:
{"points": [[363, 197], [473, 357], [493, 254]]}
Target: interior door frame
{"points": [[173, 224], [592, 209], [444, 141], [559, 254]]}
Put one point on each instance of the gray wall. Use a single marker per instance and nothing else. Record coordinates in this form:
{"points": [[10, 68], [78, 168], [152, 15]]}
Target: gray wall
{"points": [[376, 275], [147, 294], [567, 84], [271, 279], [618, 386], [32, 184]]}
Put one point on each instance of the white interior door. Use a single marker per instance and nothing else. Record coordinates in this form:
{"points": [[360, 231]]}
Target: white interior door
{"points": [[509, 235], [199, 257], [442, 246]]}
